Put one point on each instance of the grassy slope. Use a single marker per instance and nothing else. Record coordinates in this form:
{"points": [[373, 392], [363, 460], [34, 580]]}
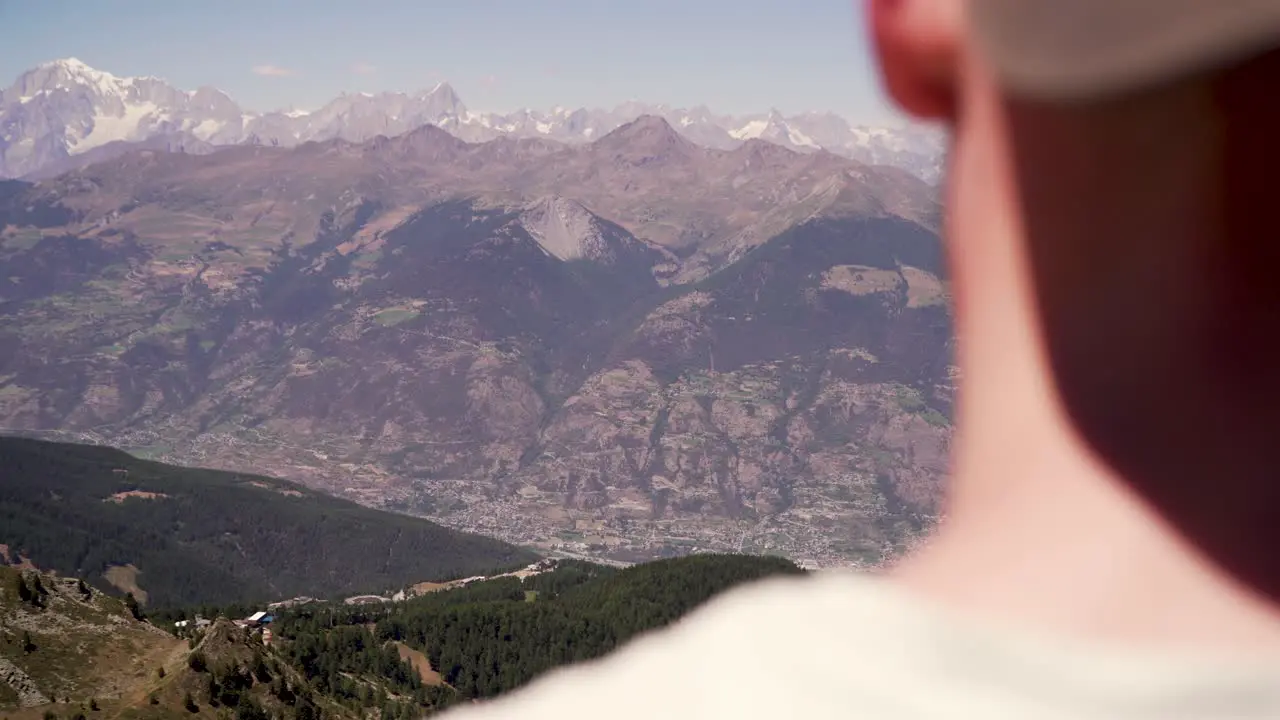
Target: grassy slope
{"points": [[88, 651], [84, 645], [216, 537]]}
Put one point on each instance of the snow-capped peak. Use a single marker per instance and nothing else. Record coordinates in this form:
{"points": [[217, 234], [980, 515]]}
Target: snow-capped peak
{"points": [[443, 89], [72, 64], [72, 70]]}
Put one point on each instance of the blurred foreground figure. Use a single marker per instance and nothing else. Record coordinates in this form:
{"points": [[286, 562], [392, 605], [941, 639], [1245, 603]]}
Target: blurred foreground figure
{"points": [[1114, 515]]}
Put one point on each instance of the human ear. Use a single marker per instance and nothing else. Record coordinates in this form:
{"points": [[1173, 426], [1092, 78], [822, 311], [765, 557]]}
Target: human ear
{"points": [[917, 46]]}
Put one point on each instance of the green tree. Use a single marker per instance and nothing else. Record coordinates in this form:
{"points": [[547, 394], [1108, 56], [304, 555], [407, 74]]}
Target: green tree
{"points": [[93, 705], [306, 710], [37, 592], [260, 670], [189, 703], [27, 645], [246, 709], [132, 603], [213, 689]]}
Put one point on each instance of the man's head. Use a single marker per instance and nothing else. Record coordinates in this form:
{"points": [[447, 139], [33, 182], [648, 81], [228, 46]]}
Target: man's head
{"points": [[1111, 228]]}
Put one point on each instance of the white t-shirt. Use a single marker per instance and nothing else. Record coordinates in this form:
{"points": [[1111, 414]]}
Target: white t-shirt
{"points": [[839, 645]]}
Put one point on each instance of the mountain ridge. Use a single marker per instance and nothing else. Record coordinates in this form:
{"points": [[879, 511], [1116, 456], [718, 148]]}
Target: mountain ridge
{"points": [[58, 115], [188, 535]]}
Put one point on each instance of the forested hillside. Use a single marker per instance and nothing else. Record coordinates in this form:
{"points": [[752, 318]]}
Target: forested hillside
{"points": [[68, 652], [492, 637], [176, 535]]}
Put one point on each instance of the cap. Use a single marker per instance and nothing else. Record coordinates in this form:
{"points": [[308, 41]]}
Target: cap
{"points": [[1083, 49]]}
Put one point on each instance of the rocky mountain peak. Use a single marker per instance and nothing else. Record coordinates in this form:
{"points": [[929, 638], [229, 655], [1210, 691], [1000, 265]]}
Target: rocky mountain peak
{"points": [[647, 139], [645, 126], [213, 100], [443, 91], [443, 101], [756, 153], [427, 143], [432, 135], [564, 228]]}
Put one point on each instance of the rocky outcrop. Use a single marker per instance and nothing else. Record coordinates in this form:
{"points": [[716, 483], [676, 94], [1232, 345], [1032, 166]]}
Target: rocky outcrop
{"points": [[28, 694]]}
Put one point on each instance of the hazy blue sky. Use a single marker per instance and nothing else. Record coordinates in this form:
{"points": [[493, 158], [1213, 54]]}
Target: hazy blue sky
{"points": [[734, 55]]}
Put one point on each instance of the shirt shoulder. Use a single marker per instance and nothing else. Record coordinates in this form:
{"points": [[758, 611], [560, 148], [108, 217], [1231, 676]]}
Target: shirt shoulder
{"points": [[774, 647], [846, 645]]}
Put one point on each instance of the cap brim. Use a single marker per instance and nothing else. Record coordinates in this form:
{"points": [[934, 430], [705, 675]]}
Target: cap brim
{"points": [[1083, 49]]}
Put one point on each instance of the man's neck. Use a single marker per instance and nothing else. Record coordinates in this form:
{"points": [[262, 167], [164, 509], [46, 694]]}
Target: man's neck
{"points": [[1040, 537], [1038, 528]]}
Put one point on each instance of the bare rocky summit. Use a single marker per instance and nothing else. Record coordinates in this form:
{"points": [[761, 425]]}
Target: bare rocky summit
{"points": [[631, 347]]}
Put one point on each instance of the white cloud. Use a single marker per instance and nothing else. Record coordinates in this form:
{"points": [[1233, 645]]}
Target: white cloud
{"points": [[272, 71], [364, 68]]}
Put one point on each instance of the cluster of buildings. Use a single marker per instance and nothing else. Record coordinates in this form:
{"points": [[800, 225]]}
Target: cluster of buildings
{"points": [[256, 620], [291, 602], [540, 566]]}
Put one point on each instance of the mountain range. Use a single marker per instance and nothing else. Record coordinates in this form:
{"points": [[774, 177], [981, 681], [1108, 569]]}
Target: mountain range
{"points": [[64, 114], [630, 347]]}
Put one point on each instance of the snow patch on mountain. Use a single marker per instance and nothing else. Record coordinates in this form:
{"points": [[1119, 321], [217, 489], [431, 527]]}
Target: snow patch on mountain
{"points": [[800, 139], [207, 128], [107, 128], [750, 131]]}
